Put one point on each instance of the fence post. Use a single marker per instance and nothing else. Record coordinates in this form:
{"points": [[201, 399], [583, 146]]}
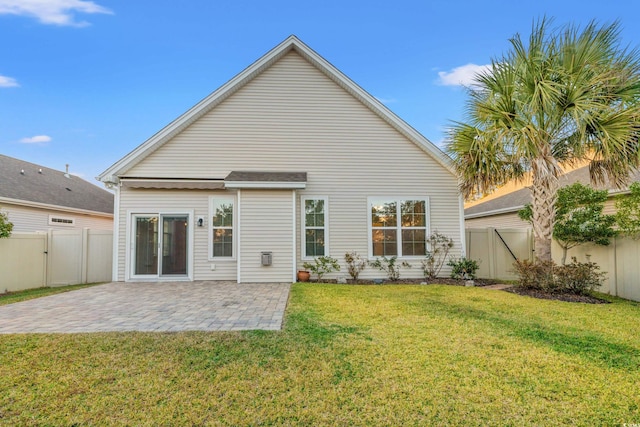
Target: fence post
{"points": [[85, 255], [49, 257], [491, 253]]}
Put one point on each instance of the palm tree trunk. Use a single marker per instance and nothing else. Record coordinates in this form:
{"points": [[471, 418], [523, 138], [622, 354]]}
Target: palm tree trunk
{"points": [[543, 197]]}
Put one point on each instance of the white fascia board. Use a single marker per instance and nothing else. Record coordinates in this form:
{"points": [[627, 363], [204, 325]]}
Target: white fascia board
{"points": [[494, 212], [31, 204], [265, 185]]}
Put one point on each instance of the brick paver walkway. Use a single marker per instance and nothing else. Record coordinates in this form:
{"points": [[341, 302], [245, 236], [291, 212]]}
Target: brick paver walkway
{"points": [[158, 307]]}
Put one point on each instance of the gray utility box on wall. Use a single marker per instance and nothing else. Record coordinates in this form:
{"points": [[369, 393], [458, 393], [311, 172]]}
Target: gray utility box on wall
{"points": [[267, 258]]}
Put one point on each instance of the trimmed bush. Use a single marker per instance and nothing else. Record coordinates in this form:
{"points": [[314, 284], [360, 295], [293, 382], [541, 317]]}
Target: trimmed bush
{"points": [[578, 278]]}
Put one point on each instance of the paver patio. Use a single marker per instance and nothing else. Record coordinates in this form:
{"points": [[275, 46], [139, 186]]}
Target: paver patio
{"points": [[157, 307]]}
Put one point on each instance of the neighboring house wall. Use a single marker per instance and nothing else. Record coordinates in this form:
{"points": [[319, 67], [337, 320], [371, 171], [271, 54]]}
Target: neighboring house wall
{"points": [[294, 118], [508, 220], [26, 219]]}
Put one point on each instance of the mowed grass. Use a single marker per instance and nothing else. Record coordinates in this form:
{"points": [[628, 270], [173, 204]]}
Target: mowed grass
{"points": [[11, 297], [348, 355]]}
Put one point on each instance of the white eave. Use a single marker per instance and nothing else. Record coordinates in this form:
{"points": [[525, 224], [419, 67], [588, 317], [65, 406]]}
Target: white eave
{"points": [[39, 205], [265, 185]]}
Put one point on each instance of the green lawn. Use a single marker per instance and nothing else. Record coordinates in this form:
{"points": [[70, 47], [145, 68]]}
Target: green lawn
{"points": [[11, 297], [348, 355]]}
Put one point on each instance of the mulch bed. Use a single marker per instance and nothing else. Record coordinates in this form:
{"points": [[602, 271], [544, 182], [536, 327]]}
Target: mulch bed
{"points": [[440, 281], [588, 299]]}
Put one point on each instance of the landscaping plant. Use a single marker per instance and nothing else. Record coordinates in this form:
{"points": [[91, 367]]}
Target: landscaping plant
{"points": [[463, 268], [355, 264], [439, 247], [628, 212], [390, 266], [560, 96], [577, 278], [5, 226], [579, 218], [322, 265]]}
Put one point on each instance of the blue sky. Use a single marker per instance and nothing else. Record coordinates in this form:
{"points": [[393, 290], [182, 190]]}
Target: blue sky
{"points": [[85, 82]]}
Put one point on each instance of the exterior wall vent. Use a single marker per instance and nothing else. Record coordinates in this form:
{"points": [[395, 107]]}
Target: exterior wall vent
{"points": [[267, 258]]}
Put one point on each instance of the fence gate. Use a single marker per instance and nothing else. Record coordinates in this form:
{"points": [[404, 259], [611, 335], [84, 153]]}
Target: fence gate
{"points": [[496, 250], [55, 258]]}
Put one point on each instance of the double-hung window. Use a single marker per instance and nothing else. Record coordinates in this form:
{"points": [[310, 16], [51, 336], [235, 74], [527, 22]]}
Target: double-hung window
{"points": [[221, 213], [315, 226], [398, 227]]}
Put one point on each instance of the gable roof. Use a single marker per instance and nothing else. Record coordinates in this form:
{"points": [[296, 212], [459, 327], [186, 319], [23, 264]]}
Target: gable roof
{"points": [[291, 43], [35, 184], [514, 201]]}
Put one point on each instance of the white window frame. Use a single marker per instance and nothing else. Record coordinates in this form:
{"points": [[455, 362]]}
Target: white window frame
{"points": [[63, 224], [303, 226], [234, 227], [398, 200]]}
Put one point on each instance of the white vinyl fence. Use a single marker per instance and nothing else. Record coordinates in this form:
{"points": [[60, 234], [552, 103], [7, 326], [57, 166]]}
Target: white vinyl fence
{"points": [[496, 250], [55, 258]]}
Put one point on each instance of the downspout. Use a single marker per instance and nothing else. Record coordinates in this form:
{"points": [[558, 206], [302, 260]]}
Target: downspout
{"points": [[463, 237], [295, 249], [238, 239], [116, 232]]}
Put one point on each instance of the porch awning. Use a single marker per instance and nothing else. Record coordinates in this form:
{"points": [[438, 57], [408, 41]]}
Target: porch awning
{"points": [[174, 184], [273, 180]]}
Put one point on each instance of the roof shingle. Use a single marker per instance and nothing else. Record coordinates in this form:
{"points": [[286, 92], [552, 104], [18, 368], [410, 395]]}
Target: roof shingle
{"points": [[34, 183]]}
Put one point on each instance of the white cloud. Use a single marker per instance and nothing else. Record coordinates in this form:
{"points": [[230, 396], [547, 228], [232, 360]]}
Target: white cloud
{"points": [[387, 100], [461, 76], [54, 12], [8, 82], [38, 139]]}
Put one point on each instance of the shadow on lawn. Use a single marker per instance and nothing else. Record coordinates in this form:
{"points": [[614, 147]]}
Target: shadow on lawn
{"points": [[589, 346]]}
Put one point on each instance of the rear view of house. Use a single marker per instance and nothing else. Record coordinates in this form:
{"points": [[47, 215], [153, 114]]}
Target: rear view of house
{"points": [[287, 161]]}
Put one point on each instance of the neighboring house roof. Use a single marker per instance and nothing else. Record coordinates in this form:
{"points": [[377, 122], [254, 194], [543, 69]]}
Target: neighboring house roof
{"points": [[514, 201], [119, 168], [35, 184]]}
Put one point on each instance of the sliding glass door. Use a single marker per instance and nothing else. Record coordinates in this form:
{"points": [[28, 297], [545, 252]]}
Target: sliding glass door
{"points": [[160, 245]]}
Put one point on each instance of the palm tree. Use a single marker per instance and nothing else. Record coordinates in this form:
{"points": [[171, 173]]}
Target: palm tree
{"points": [[566, 97]]}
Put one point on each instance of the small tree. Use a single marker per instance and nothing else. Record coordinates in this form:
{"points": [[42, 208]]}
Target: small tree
{"points": [[355, 264], [579, 218], [322, 265], [628, 212], [6, 227], [440, 245]]}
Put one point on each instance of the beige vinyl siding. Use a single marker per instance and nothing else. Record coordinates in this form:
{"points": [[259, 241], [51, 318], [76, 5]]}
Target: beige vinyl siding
{"points": [[294, 118], [154, 201], [508, 220], [26, 219], [266, 224]]}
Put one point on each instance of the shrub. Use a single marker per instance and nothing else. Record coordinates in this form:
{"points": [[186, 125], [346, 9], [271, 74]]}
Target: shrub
{"points": [[440, 246], [6, 227], [463, 268], [535, 275], [579, 277], [575, 278], [355, 264], [389, 266], [322, 265]]}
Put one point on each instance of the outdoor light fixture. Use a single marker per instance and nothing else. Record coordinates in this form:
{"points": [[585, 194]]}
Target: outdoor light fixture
{"points": [[200, 222]]}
